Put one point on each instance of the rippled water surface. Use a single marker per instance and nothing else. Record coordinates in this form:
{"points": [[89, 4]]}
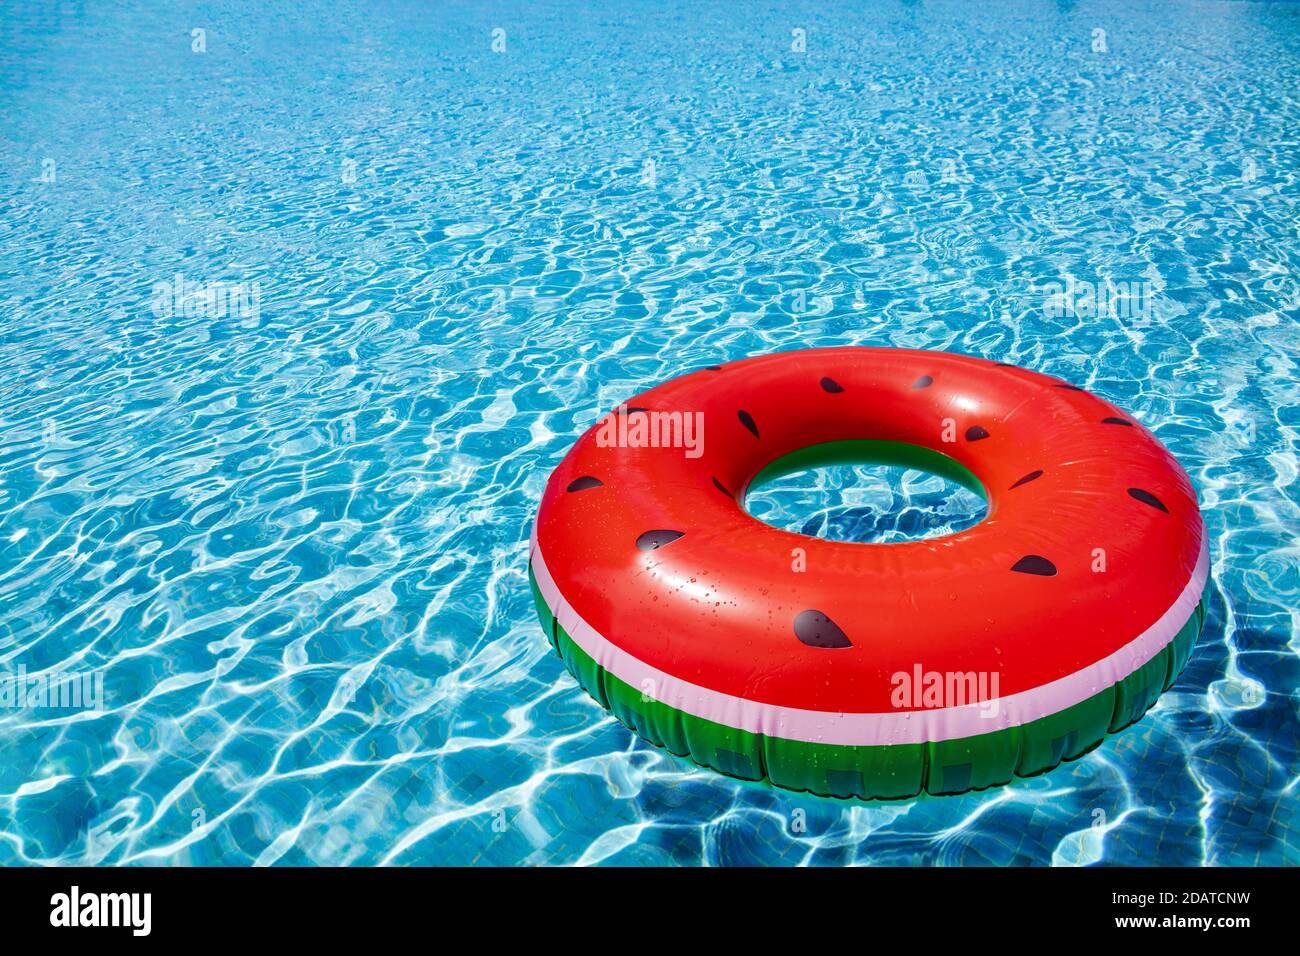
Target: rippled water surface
{"points": [[290, 540]]}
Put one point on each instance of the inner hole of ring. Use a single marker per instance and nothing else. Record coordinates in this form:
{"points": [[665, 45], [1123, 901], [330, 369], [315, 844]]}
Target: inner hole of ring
{"points": [[871, 492]]}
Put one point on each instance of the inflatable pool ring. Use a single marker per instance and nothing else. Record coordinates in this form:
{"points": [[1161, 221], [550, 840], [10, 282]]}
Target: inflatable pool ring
{"points": [[871, 670]]}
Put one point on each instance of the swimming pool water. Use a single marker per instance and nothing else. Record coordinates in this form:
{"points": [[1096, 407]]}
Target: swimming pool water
{"points": [[298, 312], [866, 502]]}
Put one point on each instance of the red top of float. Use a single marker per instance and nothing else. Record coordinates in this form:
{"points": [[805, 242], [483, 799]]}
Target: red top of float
{"points": [[655, 552]]}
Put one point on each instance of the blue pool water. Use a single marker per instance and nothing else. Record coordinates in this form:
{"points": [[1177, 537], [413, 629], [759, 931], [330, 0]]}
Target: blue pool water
{"points": [[284, 524], [870, 503]]}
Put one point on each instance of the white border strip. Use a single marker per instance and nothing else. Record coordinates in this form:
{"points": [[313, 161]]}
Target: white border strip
{"points": [[873, 729]]}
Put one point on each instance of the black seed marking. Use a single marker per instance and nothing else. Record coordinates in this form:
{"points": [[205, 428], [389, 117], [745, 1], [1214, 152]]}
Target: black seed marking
{"points": [[817, 630], [653, 540], [1028, 478], [1073, 388], [925, 381], [832, 386], [634, 410], [583, 483], [747, 420], [722, 488], [1004, 365], [976, 432], [1147, 498], [713, 368], [1035, 564], [1116, 421]]}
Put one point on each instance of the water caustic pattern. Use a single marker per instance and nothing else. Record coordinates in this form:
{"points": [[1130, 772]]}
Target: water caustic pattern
{"points": [[299, 311]]}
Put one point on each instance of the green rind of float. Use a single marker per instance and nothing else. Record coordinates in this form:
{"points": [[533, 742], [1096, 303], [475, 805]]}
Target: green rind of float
{"points": [[880, 772], [870, 452]]}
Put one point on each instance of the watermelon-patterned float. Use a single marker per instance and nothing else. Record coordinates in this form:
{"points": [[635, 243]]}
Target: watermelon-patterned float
{"points": [[871, 670]]}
